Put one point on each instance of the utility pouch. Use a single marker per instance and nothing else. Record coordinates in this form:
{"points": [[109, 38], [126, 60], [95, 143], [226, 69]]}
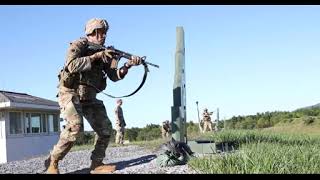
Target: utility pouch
{"points": [[69, 80]]}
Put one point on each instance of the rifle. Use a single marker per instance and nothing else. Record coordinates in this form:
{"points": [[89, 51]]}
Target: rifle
{"points": [[118, 54]]}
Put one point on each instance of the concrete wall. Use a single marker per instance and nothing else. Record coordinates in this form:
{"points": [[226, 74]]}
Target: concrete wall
{"points": [[25, 147], [3, 149]]}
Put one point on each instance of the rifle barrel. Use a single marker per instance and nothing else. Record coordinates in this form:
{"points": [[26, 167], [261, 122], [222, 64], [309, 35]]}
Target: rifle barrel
{"points": [[151, 64], [128, 55]]}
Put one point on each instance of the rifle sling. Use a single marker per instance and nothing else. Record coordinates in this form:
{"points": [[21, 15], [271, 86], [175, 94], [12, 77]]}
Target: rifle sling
{"points": [[140, 86]]}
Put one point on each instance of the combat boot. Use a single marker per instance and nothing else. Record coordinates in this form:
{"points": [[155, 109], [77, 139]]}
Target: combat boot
{"points": [[51, 165], [97, 167]]}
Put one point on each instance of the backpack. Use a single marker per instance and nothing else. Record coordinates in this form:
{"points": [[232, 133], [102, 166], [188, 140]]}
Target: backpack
{"points": [[174, 153]]}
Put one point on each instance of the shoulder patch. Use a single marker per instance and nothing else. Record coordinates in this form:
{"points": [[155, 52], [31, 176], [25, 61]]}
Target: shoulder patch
{"points": [[79, 42]]}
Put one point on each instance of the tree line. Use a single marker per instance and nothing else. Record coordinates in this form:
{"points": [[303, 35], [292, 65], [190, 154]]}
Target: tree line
{"points": [[147, 133], [260, 120], [269, 119]]}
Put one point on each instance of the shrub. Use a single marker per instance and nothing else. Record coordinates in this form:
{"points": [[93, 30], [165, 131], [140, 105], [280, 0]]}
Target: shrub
{"points": [[308, 120]]}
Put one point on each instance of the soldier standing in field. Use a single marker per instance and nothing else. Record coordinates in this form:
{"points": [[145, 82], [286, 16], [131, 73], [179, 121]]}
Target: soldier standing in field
{"points": [[84, 75], [120, 122], [165, 129], [207, 124]]}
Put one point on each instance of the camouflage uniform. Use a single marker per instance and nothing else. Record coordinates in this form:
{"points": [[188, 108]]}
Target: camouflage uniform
{"points": [[207, 124], [83, 76], [81, 101], [165, 129], [120, 124]]}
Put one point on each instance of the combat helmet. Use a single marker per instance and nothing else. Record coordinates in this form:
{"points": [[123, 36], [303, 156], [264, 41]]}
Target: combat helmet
{"points": [[96, 23]]}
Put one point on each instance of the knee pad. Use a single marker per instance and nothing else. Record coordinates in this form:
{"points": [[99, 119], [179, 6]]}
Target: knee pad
{"points": [[74, 127]]}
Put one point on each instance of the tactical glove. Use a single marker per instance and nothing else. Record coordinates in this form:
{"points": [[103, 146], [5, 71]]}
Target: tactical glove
{"points": [[104, 55], [134, 61]]}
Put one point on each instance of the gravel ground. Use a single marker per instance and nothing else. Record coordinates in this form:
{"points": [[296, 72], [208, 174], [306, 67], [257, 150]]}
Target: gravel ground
{"points": [[129, 160]]}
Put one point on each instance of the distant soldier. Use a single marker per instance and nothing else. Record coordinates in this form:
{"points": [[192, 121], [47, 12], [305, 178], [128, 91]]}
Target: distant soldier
{"points": [[165, 129], [207, 124], [120, 123]]}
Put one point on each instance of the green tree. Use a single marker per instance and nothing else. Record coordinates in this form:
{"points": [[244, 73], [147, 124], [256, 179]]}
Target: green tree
{"points": [[131, 134]]}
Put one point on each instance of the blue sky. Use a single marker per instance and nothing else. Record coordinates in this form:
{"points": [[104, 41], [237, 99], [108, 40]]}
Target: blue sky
{"points": [[242, 59]]}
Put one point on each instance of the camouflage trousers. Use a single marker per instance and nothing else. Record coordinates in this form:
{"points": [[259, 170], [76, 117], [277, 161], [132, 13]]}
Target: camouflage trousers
{"points": [[72, 110], [207, 126], [119, 135], [165, 134]]}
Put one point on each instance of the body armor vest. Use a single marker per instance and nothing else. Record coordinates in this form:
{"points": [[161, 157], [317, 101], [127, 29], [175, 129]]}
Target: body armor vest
{"points": [[87, 83]]}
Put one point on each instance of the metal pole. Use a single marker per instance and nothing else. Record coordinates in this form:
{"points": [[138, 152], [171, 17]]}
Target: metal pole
{"points": [[178, 110], [216, 127], [200, 129]]}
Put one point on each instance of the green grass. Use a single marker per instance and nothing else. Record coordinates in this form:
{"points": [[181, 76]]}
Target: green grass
{"points": [[263, 152], [263, 158], [252, 136], [297, 126]]}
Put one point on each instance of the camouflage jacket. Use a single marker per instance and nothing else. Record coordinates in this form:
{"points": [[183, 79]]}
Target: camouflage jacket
{"points": [[119, 117], [165, 127], [206, 116], [82, 71]]}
